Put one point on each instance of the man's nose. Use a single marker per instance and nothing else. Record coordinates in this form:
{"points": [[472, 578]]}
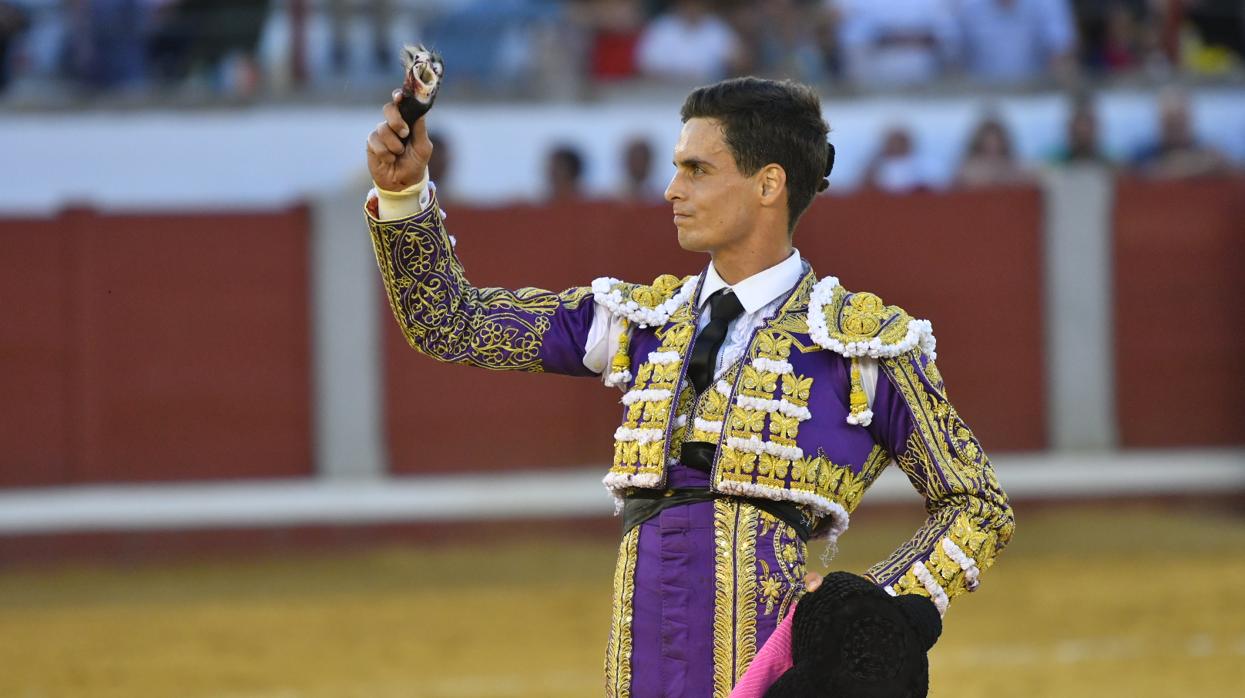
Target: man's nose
{"points": [[672, 190]]}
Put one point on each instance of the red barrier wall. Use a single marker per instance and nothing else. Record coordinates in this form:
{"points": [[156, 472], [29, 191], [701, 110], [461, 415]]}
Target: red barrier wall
{"points": [[154, 347], [1179, 309], [968, 261]]}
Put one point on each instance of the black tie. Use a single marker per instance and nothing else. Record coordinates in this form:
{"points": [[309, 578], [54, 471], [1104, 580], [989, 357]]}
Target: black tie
{"points": [[723, 307]]}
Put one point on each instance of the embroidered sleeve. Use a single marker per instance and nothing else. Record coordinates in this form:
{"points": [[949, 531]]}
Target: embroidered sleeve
{"points": [[442, 315], [970, 520]]}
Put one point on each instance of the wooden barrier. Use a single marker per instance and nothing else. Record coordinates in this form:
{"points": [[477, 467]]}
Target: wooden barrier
{"points": [[154, 347], [970, 262], [1179, 309]]}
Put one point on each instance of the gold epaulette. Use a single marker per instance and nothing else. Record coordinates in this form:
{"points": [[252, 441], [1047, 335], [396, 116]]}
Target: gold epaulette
{"points": [[857, 325]]}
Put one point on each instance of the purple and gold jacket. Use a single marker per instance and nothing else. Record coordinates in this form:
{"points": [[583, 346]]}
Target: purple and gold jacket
{"points": [[791, 419]]}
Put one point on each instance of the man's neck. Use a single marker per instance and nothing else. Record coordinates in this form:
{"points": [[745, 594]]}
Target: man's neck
{"points": [[736, 265]]}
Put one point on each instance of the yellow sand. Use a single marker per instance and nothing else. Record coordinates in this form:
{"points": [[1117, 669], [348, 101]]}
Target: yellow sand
{"points": [[1103, 602]]}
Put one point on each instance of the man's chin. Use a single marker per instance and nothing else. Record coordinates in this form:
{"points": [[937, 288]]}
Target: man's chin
{"points": [[690, 241]]}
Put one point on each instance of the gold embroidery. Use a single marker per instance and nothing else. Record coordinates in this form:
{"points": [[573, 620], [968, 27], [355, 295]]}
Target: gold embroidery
{"points": [[735, 592], [946, 463], [618, 649], [442, 315]]}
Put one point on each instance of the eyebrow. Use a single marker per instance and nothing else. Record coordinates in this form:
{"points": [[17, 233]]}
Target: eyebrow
{"points": [[693, 162]]}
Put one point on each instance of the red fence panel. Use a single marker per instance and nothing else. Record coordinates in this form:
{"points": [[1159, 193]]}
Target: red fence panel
{"points": [[1179, 309], [158, 347]]}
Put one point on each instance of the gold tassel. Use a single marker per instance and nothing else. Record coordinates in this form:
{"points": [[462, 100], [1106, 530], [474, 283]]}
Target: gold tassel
{"points": [[859, 401], [621, 362]]}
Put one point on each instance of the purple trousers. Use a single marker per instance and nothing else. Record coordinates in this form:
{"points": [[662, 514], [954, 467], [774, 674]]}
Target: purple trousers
{"points": [[697, 590]]}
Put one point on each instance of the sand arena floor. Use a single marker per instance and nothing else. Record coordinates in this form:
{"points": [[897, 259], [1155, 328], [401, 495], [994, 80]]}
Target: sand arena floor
{"points": [[1138, 602]]}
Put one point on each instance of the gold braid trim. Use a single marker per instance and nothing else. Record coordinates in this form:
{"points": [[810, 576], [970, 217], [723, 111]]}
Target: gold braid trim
{"points": [[735, 592], [618, 650]]}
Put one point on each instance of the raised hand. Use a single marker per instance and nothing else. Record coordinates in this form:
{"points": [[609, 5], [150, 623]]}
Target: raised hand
{"points": [[394, 160]]}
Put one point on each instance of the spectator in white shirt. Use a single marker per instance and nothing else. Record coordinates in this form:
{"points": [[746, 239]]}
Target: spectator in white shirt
{"points": [[688, 43], [1017, 41], [896, 42]]}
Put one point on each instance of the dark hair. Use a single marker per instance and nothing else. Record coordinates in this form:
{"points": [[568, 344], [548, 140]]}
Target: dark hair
{"points": [[765, 121]]}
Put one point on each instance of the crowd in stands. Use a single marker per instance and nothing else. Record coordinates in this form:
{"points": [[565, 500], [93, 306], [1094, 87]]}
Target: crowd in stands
{"points": [[524, 48]]}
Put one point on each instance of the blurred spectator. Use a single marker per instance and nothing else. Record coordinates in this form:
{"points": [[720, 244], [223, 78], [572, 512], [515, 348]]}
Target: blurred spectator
{"points": [[1177, 154], [108, 51], [13, 21], [210, 40], [614, 31], [689, 43], [990, 159], [1214, 39], [1017, 41], [1116, 35], [638, 172], [896, 168], [787, 38], [897, 42], [1082, 146], [565, 171]]}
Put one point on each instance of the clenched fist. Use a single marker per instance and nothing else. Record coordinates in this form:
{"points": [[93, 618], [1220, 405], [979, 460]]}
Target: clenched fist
{"points": [[396, 155]]}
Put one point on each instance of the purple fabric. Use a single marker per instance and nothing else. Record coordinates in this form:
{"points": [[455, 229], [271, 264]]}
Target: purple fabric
{"points": [[562, 346], [675, 585]]}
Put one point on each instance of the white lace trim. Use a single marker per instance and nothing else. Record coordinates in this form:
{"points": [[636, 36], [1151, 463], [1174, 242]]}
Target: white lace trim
{"points": [[839, 518], [772, 366], [966, 563], [920, 332], [606, 292], [616, 482], [642, 435], [723, 388], [714, 426], [618, 379], [862, 419], [754, 445], [651, 395], [663, 357], [936, 593], [780, 406]]}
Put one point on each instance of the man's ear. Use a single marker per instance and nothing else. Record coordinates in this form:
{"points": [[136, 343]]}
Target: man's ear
{"points": [[773, 181]]}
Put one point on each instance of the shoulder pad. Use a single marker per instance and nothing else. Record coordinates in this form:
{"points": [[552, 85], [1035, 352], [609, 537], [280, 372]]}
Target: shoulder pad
{"points": [[644, 305], [860, 324]]}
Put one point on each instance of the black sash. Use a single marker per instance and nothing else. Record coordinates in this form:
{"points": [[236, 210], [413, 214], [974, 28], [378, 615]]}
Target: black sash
{"points": [[643, 504]]}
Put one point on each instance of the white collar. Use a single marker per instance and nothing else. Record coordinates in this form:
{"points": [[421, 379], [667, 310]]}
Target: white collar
{"points": [[758, 290]]}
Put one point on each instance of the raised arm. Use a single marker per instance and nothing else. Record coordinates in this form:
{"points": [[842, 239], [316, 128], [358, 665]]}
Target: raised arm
{"points": [[439, 312], [970, 520]]}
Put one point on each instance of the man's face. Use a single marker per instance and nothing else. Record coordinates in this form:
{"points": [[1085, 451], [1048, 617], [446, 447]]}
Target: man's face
{"points": [[715, 206]]}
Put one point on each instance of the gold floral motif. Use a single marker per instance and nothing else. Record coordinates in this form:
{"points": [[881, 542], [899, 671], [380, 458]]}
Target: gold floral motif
{"points": [[796, 388], [758, 383], [747, 421], [858, 317], [773, 469], [773, 345], [618, 649], [662, 288], [738, 462]]}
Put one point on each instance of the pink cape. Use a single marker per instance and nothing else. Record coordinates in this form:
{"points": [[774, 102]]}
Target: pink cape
{"points": [[771, 662]]}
